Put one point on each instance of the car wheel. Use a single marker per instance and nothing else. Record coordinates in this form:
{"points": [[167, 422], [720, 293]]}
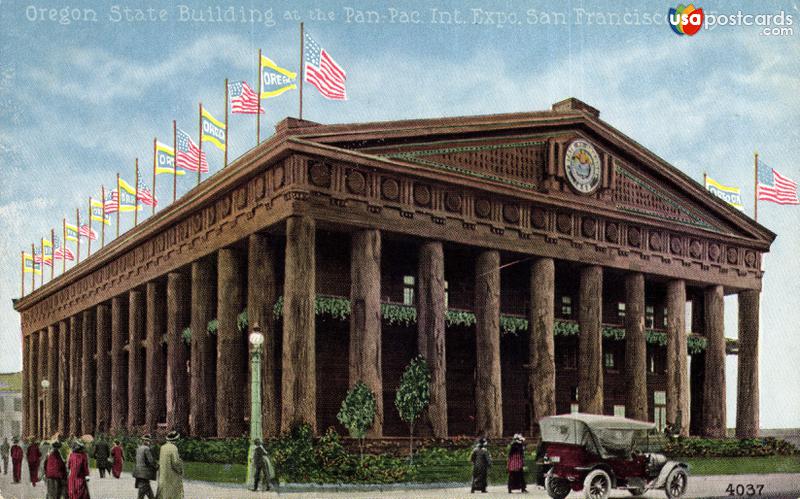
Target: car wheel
{"points": [[676, 483], [597, 485], [556, 487]]}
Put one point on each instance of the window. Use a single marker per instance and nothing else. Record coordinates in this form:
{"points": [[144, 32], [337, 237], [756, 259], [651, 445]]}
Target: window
{"points": [[652, 363], [408, 290], [566, 306], [649, 316], [609, 360], [665, 317], [660, 410], [621, 310], [619, 411], [687, 319], [446, 295], [573, 408]]}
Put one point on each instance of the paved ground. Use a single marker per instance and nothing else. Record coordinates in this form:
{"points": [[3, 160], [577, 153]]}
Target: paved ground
{"points": [[775, 486]]}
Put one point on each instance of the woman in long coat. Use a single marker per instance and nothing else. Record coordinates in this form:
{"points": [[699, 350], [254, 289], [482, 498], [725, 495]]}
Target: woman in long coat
{"points": [[34, 456], [170, 470], [16, 460], [78, 472], [516, 464], [481, 461], [116, 455]]}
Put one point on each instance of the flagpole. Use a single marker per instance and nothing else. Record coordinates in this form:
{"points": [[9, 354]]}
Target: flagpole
{"points": [[755, 187], [103, 225], [258, 106], [225, 164], [78, 236], [41, 247], [64, 248], [200, 153], [33, 268], [174, 159], [153, 211], [89, 244], [22, 275], [52, 254], [136, 195], [302, 47], [119, 205]]}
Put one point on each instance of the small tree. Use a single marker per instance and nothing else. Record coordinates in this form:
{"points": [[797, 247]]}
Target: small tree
{"points": [[358, 412], [413, 395]]}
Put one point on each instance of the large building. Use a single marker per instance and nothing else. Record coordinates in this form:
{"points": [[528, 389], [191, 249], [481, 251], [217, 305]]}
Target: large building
{"points": [[541, 262]]}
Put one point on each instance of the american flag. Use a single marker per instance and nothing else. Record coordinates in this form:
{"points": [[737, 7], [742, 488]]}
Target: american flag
{"points": [[323, 72], [186, 155], [243, 99], [145, 195], [774, 187], [61, 252], [111, 204], [88, 232], [37, 258]]}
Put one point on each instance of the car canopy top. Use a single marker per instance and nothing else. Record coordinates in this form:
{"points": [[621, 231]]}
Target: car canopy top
{"points": [[606, 436]]}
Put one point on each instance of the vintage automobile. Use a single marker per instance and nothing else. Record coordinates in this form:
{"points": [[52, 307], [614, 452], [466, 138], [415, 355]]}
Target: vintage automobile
{"points": [[595, 454]]}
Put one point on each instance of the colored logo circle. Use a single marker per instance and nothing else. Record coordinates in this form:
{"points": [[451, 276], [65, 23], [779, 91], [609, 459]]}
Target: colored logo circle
{"points": [[582, 166], [686, 19]]}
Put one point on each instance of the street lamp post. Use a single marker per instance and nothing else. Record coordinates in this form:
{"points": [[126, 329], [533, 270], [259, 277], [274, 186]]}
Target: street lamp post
{"points": [[256, 340], [43, 418]]}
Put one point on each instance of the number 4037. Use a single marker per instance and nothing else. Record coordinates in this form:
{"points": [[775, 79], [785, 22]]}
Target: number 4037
{"points": [[745, 489]]}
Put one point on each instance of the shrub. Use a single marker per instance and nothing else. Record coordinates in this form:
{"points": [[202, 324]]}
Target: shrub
{"points": [[709, 447], [358, 412], [413, 395]]}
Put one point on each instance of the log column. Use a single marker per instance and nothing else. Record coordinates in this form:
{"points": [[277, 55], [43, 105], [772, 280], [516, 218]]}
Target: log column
{"points": [[677, 351], [202, 404], [488, 387], [542, 380], [635, 348], [697, 371], [299, 372], [431, 329], [103, 382], [232, 364], [26, 385], [714, 422], [88, 377], [365, 320], [178, 307], [75, 370], [261, 296], [63, 378], [51, 425], [590, 343], [136, 359], [154, 378], [119, 368], [747, 399], [41, 373]]}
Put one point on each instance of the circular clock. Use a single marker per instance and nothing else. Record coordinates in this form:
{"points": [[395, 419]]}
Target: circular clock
{"points": [[582, 166]]}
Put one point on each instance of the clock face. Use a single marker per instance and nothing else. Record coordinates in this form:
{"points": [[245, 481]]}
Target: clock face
{"points": [[582, 166]]}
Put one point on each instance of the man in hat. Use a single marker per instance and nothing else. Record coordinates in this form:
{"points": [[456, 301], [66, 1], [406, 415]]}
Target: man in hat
{"points": [[481, 461], [170, 466], [145, 469], [34, 455], [4, 450], [101, 453], [78, 482], [55, 473], [16, 460], [262, 465]]}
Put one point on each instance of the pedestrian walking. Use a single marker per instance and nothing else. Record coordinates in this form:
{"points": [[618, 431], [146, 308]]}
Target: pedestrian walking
{"points": [[44, 450], [145, 469], [117, 458], [16, 460], [34, 455], [55, 473], [264, 471], [78, 483], [170, 470], [101, 454], [516, 464], [4, 450], [481, 462]]}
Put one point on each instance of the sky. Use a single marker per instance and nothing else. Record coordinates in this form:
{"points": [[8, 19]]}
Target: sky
{"points": [[83, 92]]}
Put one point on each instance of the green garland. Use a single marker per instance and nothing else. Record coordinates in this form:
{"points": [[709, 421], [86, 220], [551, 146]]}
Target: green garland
{"points": [[212, 327], [241, 322], [406, 315], [186, 335]]}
